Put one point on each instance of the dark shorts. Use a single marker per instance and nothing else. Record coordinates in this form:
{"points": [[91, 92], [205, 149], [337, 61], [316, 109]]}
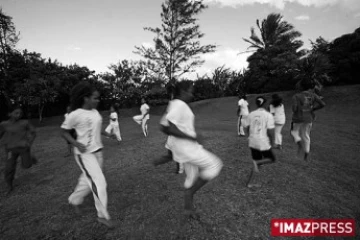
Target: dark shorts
{"points": [[259, 155], [22, 152]]}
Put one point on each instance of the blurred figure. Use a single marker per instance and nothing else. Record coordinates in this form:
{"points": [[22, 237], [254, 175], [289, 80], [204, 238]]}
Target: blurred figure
{"points": [[144, 117], [19, 136], [113, 129], [277, 110], [260, 127], [304, 105], [242, 112], [200, 165], [87, 122]]}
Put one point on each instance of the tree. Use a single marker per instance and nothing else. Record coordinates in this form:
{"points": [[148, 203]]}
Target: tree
{"points": [[315, 65], [177, 48], [221, 78], [277, 53], [344, 54], [8, 39], [274, 32], [40, 88]]}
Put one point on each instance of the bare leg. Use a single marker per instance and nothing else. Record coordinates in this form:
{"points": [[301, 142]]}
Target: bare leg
{"points": [[189, 197], [164, 159]]}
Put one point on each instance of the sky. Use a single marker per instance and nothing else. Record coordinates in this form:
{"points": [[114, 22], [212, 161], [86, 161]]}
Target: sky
{"points": [[96, 33]]}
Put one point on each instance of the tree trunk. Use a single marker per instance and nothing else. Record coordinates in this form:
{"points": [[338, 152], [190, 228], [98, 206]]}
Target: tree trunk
{"points": [[41, 108]]}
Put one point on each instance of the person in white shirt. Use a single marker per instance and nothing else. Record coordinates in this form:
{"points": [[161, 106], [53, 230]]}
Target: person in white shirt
{"points": [[200, 165], [87, 122], [260, 127], [144, 117], [242, 112], [168, 157], [277, 110], [113, 128]]}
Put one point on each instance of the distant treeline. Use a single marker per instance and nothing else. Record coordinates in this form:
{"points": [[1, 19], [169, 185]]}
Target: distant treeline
{"points": [[42, 85]]}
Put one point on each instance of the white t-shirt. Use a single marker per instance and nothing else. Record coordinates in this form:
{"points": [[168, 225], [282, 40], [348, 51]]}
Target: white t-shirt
{"points": [[87, 124], [259, 122], [144, 109], [279, 113], [244, 109], [114, 115], [180, 114]]}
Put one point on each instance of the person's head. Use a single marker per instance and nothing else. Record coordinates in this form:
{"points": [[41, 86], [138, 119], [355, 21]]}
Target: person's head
{"points": [[276, 100], [184, 90], [15, 112], [83, 95], [307, 85], [242, 96], [68, 109], [143, 100], [114, 108], [260, 101]]}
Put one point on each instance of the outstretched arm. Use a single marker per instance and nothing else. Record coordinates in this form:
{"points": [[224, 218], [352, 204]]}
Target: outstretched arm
{"points": [[67, 136], [271, 135], [319, 104], [294, 104], [2, 130], [176, 132], [32, 131]]}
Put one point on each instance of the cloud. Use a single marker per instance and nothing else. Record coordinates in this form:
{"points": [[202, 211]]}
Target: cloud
{"points": [[357, 15], [147, 45], [73, 48], [302, 18], [227, 56], [280, 4]]}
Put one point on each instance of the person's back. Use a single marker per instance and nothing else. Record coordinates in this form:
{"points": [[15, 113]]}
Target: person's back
{"points": [[303, 106], [15, 133], [259, 121]]}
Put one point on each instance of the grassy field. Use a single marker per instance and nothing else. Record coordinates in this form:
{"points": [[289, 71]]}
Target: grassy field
{"points": [[146, 202]]}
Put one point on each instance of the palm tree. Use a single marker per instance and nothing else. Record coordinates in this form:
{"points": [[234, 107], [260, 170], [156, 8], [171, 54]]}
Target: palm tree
{"points": [[274, 32]]}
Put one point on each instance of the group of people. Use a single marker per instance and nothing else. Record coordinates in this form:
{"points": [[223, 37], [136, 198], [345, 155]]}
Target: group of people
{"points": [[264, 125], [83, 124]]}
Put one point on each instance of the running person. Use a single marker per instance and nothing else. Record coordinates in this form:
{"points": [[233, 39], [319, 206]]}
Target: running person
{"points": [[87, 121], [200, 165], [19, 136], [277, 110], [113, 128], [169, 156], [304, 105], [260, 127], [242, 112], [144, 117]]}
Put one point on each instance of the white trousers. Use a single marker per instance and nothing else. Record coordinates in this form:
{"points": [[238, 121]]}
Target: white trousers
{"points": [[143, 122], [301, 132], [114, 129], [278, 135], [241, 122], [92, 180]]}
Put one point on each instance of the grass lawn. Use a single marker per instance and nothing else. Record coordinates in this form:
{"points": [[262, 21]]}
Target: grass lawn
{"points": [[146, 202]]}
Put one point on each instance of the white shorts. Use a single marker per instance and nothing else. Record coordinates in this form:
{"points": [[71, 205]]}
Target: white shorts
{"points": [[208, 164]]}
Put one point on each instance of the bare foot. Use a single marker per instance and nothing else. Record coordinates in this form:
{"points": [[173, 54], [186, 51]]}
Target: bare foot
{"points": [[76, 209], [106, 222], [192, 214], [252, 185]]}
